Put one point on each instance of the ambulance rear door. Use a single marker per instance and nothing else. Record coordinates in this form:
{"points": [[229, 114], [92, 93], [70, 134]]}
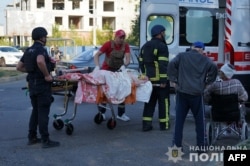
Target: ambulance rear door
{"points": [[163, 12]]}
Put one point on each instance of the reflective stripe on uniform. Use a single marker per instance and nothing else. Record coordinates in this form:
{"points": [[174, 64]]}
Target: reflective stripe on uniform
{"points": [[157, 76], [147, 118], [166, 119], [163, 75], [155, 51], [161, 58]]}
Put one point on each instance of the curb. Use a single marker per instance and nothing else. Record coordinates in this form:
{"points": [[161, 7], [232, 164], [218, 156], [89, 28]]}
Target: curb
{"points": [[14, 78]]}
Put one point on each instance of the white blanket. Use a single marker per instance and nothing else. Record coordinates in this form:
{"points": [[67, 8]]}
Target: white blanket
{"points": [[117, 84]]}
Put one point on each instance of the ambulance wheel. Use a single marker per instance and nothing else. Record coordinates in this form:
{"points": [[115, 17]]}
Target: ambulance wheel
{"points": [[111, 124], [58, 124], [69, 129], [244, 132], [98, 118]]}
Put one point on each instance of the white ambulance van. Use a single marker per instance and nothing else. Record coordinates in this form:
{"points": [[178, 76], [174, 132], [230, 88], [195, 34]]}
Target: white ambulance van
{"points": [[223, 25]]}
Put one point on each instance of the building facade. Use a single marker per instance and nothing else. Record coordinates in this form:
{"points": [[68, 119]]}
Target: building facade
{"points": [[84, 16]]}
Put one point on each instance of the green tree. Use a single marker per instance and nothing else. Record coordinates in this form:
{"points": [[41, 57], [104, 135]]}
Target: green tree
{"points": [[4, 41], [74, 35], [102, 36], [56, 33], [134, 36]]}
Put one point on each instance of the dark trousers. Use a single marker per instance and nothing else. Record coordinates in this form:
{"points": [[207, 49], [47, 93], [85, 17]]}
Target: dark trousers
{"points": [[160, 95], [41, 98], [184, 102], [121, 109]]}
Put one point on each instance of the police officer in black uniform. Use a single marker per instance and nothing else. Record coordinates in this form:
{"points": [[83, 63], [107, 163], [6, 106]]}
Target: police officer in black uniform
{"points": [[153, 61], [36, 62]]}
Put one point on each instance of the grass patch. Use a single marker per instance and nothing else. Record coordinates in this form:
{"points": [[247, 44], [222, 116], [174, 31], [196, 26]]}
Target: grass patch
{"points": [[9, 73], [245, 143]]}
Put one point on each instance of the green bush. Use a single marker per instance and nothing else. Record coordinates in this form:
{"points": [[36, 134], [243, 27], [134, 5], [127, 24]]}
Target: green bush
{"points": [[9, 73]]}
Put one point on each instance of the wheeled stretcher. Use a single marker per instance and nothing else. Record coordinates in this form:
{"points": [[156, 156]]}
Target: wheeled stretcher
{"points": [[92, 89]]}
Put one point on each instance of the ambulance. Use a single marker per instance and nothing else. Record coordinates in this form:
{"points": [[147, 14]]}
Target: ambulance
{"points": [[223, 25]]}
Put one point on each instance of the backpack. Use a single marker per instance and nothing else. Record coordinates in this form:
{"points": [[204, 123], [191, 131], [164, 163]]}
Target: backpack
{"points": [[115, 59]]}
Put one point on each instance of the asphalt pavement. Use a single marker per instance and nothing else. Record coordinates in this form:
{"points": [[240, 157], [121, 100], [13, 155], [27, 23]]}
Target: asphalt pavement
{"points": [[90, 144]]}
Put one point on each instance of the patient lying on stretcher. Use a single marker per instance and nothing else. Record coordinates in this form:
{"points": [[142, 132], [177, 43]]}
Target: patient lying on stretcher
{"points": [[116, 86]]}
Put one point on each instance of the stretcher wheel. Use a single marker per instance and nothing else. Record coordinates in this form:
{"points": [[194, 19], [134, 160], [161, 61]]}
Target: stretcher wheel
{"points": [[244, 132], [69, 129], [111, 123], [98, 118], [58, 124]]}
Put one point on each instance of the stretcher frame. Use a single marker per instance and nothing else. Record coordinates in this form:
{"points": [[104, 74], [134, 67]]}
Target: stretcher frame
{"points": [[67, 87]]}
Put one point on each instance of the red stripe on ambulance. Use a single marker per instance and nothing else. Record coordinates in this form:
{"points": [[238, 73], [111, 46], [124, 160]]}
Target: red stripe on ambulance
{"points": [[242, 56], [213, 56], [229, 2], [242, 68], [228, 19]]}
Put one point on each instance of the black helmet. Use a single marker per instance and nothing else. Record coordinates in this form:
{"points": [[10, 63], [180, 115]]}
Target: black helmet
{"points": [[157, 29], [38, 33]]}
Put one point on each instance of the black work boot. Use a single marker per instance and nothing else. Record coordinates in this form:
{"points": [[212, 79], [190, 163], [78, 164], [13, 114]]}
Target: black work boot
{"points": [[49, 143], [164, 126], [34, 140], [147, 125]]}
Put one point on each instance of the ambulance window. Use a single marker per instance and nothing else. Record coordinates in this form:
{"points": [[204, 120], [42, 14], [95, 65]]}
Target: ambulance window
{"points": [[167, 21], [199, 26]]}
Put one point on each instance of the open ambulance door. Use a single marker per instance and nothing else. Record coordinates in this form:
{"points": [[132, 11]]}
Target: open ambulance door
{"points": [[163, 12]]}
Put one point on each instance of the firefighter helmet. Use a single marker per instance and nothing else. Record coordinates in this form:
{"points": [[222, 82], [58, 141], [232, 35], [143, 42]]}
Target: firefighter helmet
{"points": [[157, 29]]}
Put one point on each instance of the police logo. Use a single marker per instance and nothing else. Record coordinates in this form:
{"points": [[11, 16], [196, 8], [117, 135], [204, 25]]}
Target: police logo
{"points": [[174, 153]]}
